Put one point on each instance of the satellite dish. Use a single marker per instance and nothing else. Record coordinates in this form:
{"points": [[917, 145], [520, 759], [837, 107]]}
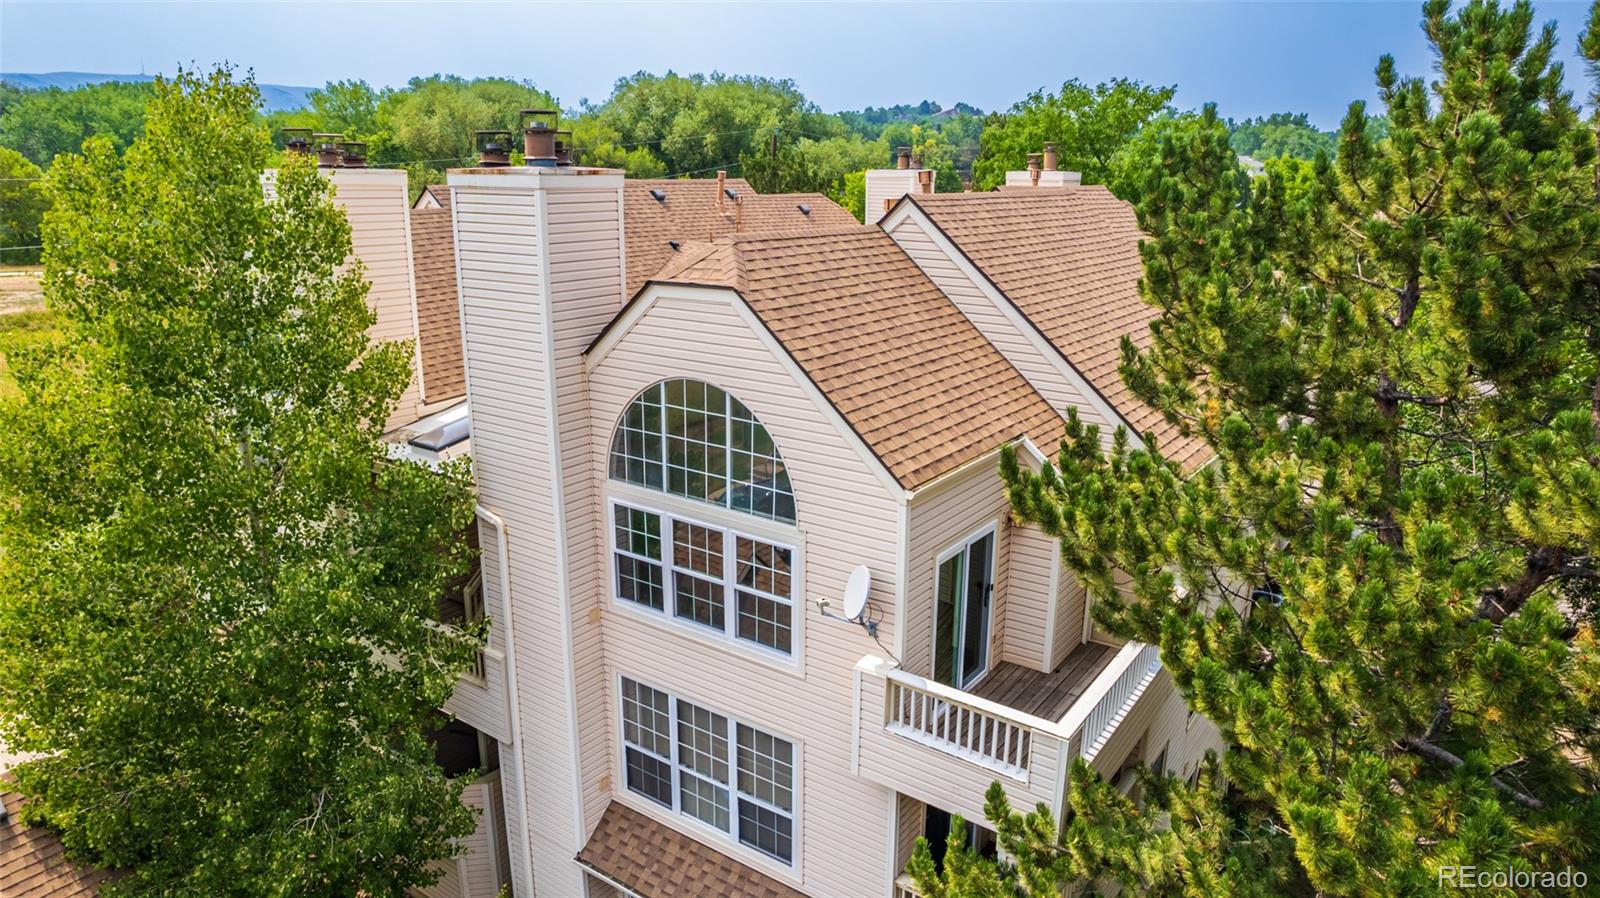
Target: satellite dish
{"points": [[855, 592]]}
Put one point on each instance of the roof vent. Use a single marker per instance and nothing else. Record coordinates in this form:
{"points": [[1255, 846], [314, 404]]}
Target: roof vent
{"points": [[730, 193], [327, 149], [563, 147], [902, 157], [675, 245], [494, 148], [804, 209], [297, 140], [538, 137], [658, 194], [1049, 157]]}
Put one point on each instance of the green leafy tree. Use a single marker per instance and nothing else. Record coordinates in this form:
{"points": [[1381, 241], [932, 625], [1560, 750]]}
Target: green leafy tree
{"points": [[1280, 134], [22, 205], [934, 149], [347, 107], [427, 127], [811, 166], [216, 594], [40, 124], [1382, 589], [1087, 124], [696, 124]]}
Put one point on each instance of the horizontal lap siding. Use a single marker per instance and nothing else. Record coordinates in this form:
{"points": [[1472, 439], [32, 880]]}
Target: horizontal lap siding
{"points": [[846, 517], [1028, 598], [1042, 371], [505, 322], [1071, 606], [375, 203], [586, 290], [937, 522]]}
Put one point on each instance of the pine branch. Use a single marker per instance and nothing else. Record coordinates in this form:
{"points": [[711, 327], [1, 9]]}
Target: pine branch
{"points": [[1434, 752]]}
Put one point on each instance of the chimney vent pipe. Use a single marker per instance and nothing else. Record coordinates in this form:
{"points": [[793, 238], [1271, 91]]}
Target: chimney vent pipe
{"points": [[722, 187], [1033, 162], [296, 141], [738, 214], [1050, 157], [563, 148], [925, 180], [538, 137], [902, 158], [494, 148], [353, 154], [327, 149]]}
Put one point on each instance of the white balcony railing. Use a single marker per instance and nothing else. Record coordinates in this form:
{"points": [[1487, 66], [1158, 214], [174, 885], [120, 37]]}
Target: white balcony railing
{"points": [[1095, 716], [983, 732], [897, 708]]}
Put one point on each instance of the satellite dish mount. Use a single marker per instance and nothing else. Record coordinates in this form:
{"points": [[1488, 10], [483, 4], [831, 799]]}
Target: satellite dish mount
{"points": [[854, 600]]}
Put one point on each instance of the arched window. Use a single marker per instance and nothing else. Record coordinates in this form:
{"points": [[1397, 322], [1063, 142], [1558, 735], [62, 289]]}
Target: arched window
{"points": [[692, 439]]}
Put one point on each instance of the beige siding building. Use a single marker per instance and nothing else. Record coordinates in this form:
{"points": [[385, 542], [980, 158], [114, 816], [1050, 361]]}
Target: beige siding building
{"points": [[760, 615]]}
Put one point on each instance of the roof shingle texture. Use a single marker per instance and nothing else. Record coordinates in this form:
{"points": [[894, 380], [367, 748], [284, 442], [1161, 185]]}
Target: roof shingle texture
{"points": [[33, 863], [433, 261], [656, 861], [1068, 258], [911, 375], [690, 212]]}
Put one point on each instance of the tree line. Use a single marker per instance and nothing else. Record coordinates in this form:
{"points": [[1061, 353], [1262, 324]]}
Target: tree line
{"points": [[671, 125]]}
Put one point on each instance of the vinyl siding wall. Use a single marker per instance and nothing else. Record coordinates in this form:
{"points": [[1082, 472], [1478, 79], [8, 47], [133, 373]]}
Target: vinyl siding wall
{"points": [[949, 513], [586, 282], [846, 517], [375, 202], [887, 184], [510, 348]]}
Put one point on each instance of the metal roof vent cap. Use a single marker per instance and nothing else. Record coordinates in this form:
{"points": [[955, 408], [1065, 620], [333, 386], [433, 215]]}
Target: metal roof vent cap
{"points": [[1049, 157], [296, 140], [494, 148], [902, 157], [563, 147], [327, 149], [538, 137], [353, 154]]}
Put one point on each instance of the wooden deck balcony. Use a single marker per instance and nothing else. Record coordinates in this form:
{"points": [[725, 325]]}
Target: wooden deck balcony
{"points": [[1017, 726]]}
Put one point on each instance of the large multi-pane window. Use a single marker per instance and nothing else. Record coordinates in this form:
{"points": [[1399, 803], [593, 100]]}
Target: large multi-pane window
{"points": [[729, 775], [718, 579], [692, 439]]}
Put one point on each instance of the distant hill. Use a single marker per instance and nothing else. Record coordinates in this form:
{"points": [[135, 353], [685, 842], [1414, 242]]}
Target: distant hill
{"points": [[276, 96]]}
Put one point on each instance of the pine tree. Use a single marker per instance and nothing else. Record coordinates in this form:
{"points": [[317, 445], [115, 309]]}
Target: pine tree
{"points": [[215, 594], [1383, 587]]}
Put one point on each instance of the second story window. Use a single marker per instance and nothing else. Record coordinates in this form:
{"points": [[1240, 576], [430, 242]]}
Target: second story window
{"points": [[729, 775], [715, 578], [692, 439]]}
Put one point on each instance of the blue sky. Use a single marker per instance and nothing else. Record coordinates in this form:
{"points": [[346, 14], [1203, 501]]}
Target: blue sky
{"points": [[1251, 58]]}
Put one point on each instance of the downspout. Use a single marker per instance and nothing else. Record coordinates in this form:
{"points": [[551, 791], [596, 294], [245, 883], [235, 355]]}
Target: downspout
{"points": [[513, 718]]}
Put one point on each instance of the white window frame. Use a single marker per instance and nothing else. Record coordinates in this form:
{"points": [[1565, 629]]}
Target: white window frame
{"points": [[728, 635], [991, 528], [678, 815]]}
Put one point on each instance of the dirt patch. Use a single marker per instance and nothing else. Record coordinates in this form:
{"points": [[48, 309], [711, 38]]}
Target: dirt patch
{"points": [[20, 292]]}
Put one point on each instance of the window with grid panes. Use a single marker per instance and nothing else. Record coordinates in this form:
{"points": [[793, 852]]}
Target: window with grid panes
{"points": [[693, 439], [692, 571], [728, 775]]}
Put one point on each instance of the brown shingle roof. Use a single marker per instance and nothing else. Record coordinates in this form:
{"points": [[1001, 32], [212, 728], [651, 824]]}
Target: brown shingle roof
{"points": [[657, 861], [439, 192], [433, 261], [910, 374], [690, 212], [1068, 258], [33, 863]]}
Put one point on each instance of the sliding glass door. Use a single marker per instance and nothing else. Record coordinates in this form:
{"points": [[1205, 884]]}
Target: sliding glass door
{"points": [[962, 591]]}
